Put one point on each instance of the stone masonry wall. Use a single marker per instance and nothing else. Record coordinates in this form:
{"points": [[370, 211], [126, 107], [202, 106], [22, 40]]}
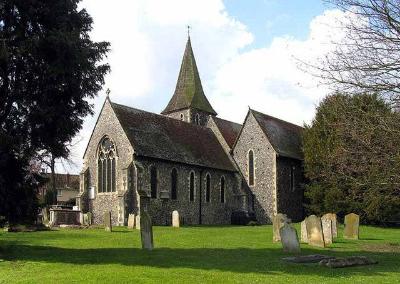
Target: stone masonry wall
{"points": [[290, 200], [213, 212], [264, 188], [107, 125]]}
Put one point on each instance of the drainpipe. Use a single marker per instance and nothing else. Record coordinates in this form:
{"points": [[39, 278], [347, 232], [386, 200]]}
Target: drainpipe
{"points": [[200, 195]]}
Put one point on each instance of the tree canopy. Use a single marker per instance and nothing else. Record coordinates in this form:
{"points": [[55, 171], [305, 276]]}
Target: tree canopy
{"points": [[352, 158], [49, 68]]}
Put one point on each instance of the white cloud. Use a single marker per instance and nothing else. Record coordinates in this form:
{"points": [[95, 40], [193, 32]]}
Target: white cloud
{"points": [[148, 38]]}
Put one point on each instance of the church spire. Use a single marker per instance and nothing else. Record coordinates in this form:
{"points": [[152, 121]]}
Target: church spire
{"points": [[189, 91]]}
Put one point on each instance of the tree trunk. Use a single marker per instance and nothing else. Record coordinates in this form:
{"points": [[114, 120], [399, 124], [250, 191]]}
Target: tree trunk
{"points": [[53, 179]]}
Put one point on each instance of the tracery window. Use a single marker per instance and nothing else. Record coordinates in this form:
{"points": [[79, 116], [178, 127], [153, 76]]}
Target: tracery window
{"points": [[174, 183], [106, 175], [208, 188], [251, 167]]}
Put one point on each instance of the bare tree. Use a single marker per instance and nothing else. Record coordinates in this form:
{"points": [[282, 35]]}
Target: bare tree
{"points": [[368, 59]]}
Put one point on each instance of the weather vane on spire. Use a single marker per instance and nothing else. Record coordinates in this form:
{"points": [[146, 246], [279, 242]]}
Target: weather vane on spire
{"points": [[188, 28]]}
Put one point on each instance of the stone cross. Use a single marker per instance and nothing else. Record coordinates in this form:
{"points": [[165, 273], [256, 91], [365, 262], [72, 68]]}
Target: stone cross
{"points": [[175, 219], [314, 231], [351, 226], [107, 221], [304, 238], [289, 239], [277, 223], [146, 231], [137, 222], [327, 230], [131, 221]]}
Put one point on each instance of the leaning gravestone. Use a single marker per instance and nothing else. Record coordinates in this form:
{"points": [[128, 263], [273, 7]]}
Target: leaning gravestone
{"points": [[277, 223], [327, 230], [146, 231], [137, 222], [351, 226], [314, 231], [304, 238], [175, 219], [289, 239], [131, 221], [107, 221], [333, 217]]}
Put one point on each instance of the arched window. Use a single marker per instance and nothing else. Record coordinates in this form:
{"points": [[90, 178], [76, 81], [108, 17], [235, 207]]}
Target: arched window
{"points": [[191, 186], [174, 183], [208, 187], [182, 117], [251, 167], [292, 178], [222, 190], [197, 119], [153, 182], [106, 166]]}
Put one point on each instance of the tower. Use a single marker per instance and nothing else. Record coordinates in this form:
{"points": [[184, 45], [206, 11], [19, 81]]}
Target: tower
{"points": [[189, 102]]}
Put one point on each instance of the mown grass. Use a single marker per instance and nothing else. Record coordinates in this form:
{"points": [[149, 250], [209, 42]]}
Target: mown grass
{"points": [[189, 254]]}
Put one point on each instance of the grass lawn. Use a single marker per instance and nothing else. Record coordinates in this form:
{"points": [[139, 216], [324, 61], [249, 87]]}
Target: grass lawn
{"points": [[188, 254]]}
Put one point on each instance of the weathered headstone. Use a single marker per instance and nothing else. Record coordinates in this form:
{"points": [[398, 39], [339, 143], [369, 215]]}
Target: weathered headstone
{"points": [[289, 239], [304, 238], [333, 217], [137, 222], [175, 219], [45, 217], [347, 261], [89, 218], [146, 231], [351, 226], [107, 221], [327, 230], [131, 221], [277, 223], [85, 220], [314, 231]]}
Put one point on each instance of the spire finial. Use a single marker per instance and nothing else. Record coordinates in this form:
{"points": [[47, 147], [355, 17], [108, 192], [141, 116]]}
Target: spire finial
{"points": [[188, 30], [108, 92]]}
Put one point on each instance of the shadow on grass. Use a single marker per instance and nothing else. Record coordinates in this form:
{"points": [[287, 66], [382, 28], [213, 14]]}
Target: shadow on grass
{"points": [[240, 260]]}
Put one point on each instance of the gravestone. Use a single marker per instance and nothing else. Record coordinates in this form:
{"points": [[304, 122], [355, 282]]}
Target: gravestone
{"points": [[327, 230], [131, 221], [351, 226], [333, 217], [137, 222], [277, 223], [175, 219], [314, 231], [146, 231], [85, 220], [289, 239], [107, 221], [304, 238], [89, 218], [45, 217]]}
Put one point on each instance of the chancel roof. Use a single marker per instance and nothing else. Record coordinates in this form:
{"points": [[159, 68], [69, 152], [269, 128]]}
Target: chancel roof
{"points": [[285, 137], [189, 91], [161, 137], [228, 129]]}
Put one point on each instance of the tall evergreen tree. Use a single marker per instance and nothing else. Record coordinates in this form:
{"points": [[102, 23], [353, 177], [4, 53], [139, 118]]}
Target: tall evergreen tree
{"points": [[49, 68], [352, 158]]}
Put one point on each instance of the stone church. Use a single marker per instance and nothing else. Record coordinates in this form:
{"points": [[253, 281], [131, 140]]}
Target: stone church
{"points": [[213, 171]]}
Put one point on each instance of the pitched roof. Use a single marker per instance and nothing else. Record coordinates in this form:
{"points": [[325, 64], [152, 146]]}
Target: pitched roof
{"points": [[228, 129], [161, 137], [189, 91], [285, 137]]}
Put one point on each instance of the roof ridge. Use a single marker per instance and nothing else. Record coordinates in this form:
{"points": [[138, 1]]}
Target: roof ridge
{"points": [[277, 119], [219, 118]]}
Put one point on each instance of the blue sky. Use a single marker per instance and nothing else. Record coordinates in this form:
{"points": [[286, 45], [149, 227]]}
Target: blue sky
{"points": [[244, 50], [267, 19]]}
